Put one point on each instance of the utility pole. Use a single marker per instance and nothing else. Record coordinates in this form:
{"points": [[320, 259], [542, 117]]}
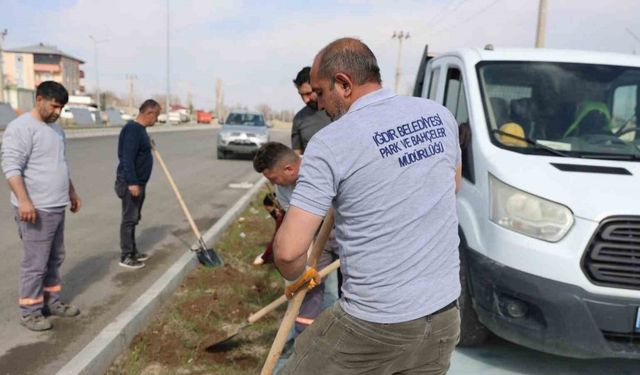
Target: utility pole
{"points": [[131, 78], [542, 24], [167, 105], [98, 101], [219, 99], [400, 36], [2, 35]]}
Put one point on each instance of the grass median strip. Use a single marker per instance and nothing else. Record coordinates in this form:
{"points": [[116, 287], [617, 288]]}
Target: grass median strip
{"points": [[207, 304]]}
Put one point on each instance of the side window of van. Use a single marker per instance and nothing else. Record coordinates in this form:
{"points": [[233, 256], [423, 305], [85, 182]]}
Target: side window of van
{"points": [[433, 84], [624, 118], [455, 100]]}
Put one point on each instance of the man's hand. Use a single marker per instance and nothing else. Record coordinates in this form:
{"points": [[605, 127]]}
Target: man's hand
{"points": [[27, 211], [75, 202], [134, 190], [310, 278]]}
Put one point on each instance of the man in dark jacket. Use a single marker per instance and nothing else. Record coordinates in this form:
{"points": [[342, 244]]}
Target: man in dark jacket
{"points": [[134, 170]]}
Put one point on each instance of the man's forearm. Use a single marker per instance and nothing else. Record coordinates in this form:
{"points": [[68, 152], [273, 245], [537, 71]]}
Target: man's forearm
{"points": [[291, 270], [16, 183], [72, 188], [292, 241]]}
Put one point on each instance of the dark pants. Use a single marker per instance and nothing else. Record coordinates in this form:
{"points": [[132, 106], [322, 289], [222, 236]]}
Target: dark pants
{"points": [[338, 343], [43, 245], [131, 215]]}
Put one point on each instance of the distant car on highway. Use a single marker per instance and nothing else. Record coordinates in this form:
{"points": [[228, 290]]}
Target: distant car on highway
{"points": [[242, 133]]}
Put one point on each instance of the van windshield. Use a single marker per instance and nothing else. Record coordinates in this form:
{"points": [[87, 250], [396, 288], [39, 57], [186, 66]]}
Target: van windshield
{"points": [[584, 110]]}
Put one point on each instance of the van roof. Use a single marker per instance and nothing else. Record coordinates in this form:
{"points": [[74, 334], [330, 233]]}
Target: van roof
{"points": [[475, 55]]}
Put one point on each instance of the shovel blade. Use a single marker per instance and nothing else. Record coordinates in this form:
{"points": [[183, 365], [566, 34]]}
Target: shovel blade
{"points": [[209, 258]]}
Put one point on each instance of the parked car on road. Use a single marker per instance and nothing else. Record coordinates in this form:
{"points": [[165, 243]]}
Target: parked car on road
{"points": [[242, 133]]}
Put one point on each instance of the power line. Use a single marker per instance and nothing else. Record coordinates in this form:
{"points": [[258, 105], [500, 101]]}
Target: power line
{"points": [[453, 11], [481, 11], [441, 12]]}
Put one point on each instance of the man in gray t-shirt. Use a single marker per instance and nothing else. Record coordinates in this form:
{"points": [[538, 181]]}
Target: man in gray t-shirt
{"points": [[390, 167], [309, 120], [35, 165]]}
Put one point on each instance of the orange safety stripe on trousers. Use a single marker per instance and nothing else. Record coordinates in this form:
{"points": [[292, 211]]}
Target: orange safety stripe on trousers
{"points": [[53, 288], [303, 320], [31, 301]]}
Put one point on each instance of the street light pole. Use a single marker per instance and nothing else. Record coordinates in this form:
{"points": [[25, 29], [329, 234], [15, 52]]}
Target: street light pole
{"points": [[400, 36], [95, 46], [2, 35]]}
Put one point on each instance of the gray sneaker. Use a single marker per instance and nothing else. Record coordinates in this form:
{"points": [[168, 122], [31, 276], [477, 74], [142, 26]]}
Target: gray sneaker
{"points": [[35, 322], [62, 309], [141, 257], [131, 263]]}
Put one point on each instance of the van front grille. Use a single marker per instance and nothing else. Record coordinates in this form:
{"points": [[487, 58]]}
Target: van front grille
{"points": [[612, 257]]}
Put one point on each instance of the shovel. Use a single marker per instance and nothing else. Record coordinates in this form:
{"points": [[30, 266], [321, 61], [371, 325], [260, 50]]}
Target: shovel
{"points": [[264, 311], [206, 256]]}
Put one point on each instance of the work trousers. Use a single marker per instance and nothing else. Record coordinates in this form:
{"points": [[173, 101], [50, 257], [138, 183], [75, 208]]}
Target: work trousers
{"points": [[338, 343], [131, 215], [43, 254]]}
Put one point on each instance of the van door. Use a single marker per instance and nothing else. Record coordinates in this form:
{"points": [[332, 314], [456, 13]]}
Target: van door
{"points": [[455, 99]]}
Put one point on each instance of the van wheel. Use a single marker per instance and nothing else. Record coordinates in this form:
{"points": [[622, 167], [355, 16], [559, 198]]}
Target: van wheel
{"points": [[221, 155], [472, 332]]}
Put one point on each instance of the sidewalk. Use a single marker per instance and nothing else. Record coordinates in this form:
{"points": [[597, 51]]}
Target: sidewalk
{"points": [[98, 355]]}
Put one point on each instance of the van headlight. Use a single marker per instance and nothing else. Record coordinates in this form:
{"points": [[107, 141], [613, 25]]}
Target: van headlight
{"points": [[525, 213]]}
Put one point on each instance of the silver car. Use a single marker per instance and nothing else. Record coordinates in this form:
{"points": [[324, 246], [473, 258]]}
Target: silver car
{"points": [[242, 133]]}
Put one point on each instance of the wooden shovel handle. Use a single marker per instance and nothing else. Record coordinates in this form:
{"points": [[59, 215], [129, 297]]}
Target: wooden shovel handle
{"points": [[282, 299], [175, 190], [296, 301]]}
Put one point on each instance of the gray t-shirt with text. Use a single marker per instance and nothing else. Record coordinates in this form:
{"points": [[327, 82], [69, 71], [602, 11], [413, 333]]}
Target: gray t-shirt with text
{"points": [[36, 151], [388, 168]]}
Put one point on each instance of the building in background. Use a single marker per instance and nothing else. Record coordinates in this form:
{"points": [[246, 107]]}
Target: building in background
{"points": [[19, 80], [51, 64]]}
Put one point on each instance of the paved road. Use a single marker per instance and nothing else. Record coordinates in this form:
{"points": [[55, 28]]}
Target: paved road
{"points": [[499, 357], [94, 281], [92, 278]]}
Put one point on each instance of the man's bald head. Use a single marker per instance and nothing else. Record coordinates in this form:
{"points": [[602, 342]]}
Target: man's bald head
{"points": [[351, 57]]}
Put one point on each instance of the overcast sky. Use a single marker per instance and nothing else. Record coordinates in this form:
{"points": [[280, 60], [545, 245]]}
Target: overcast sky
{"points": [[257, 47]]}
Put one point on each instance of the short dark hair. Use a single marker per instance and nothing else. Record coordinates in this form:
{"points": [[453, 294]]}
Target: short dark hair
{"points": [[349, 56], [268, 200], [148, 104], [270, 154], [304, 76], [49, 90]]}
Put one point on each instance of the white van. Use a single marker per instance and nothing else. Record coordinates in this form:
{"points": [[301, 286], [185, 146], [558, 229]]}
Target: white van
{"points": [[550, 202]]}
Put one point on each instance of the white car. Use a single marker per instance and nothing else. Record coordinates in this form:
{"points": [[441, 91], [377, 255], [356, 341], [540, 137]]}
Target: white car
{"points": [[242, 133]]}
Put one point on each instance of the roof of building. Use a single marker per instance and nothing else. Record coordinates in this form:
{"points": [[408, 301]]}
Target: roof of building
{"points": [[43, 49]]}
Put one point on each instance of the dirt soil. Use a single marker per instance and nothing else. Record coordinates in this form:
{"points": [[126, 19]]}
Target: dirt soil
{"points": [[210, 304]]}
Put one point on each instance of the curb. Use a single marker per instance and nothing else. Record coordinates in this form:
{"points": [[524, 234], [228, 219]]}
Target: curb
{"points": [[108, 132], [114, 339], [114, 131]]}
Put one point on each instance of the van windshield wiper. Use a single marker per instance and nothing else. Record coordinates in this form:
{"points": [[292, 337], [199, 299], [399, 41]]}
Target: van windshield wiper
{"points": [[532, 142]]}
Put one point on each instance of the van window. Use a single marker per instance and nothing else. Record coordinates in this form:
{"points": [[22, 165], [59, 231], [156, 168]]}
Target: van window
{"points": [[433, 84], [455, 100], [625, 99], [577, 110]]}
